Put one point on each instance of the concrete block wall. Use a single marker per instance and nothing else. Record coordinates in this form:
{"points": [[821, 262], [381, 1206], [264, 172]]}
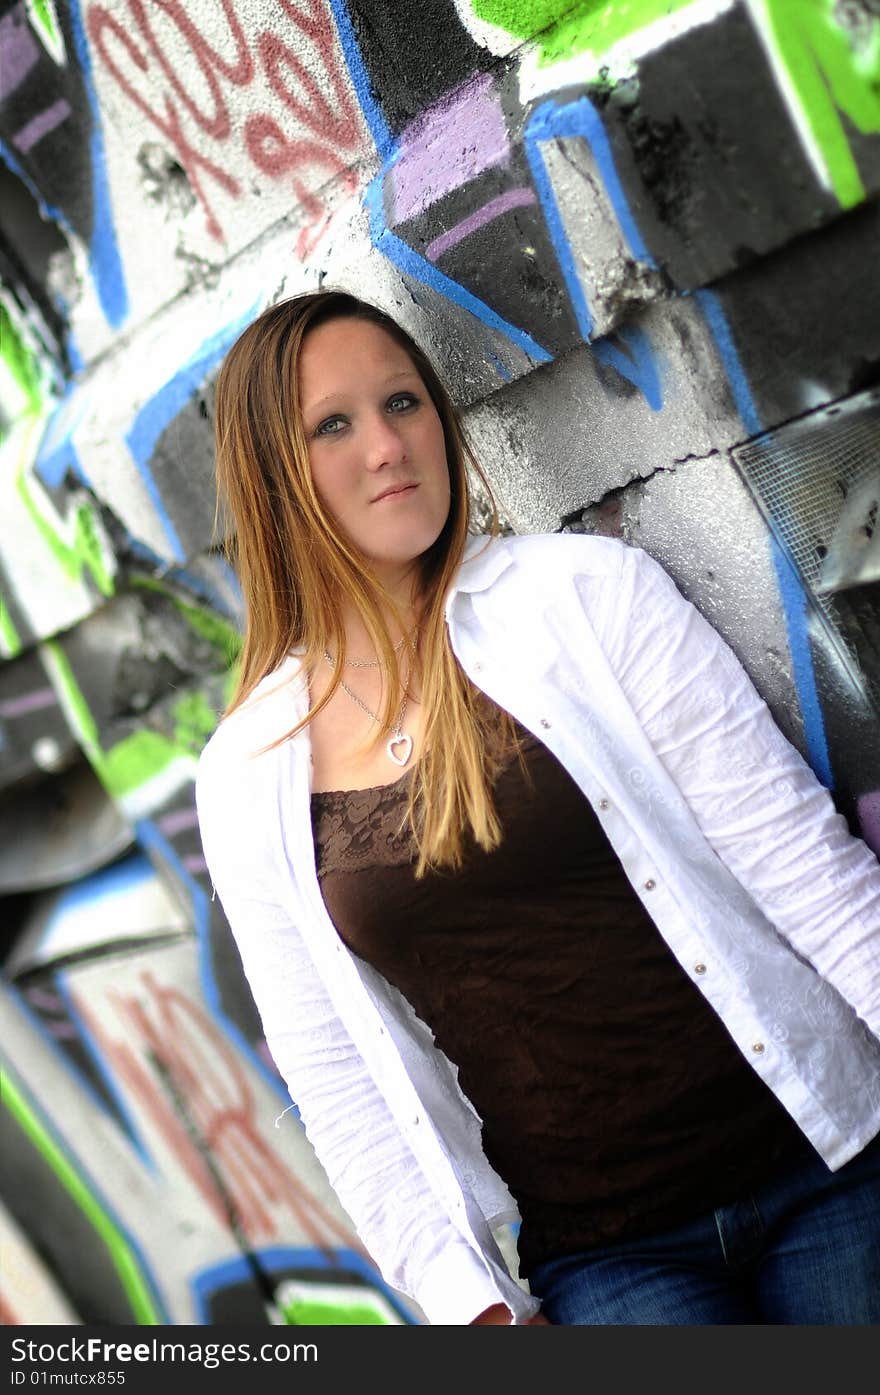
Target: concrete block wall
{"points": [[634, 238]]}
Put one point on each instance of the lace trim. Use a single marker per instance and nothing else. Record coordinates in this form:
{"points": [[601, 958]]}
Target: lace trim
{"points": [[362, 828], [355, 829]]}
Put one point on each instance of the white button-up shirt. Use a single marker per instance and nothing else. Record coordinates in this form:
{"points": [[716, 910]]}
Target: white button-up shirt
{"points": [[736, 851]]}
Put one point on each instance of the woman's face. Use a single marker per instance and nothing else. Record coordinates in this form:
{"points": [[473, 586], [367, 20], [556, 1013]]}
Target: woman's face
{"points": [[376, 448]]}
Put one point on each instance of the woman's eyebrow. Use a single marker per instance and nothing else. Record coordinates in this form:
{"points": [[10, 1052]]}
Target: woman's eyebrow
{"points": [[340, 393]]}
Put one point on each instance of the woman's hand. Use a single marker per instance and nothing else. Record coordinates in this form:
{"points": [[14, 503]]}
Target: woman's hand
{"points": [[499, 1315]]}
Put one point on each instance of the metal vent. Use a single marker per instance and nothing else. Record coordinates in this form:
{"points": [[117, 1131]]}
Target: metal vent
{"points": [[817, 484]]}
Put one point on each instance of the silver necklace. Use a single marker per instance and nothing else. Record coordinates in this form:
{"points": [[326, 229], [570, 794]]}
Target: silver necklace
{"points": [[365, 663], [398, 738]]}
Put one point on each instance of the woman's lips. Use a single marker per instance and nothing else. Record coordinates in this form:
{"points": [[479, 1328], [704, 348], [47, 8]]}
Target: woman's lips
{"points": [[396, 492]]}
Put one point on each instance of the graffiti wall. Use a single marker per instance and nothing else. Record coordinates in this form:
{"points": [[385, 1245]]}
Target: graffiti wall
{"points": [[640, 242]]}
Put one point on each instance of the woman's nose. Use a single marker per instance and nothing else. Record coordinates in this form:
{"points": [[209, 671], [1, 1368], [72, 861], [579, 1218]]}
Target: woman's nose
{"points": [[383, 444]]}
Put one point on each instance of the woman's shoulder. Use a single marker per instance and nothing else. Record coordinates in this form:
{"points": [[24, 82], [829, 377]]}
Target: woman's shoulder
{"points": [[544, 554], [242, 740], [590, 552]]}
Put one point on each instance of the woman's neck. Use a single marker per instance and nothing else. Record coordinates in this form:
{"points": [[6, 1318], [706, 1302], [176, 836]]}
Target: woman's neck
{"points": [[360, 646]]}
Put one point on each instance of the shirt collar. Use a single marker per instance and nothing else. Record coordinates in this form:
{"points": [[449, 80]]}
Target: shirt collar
{"points": [[484, 559]]}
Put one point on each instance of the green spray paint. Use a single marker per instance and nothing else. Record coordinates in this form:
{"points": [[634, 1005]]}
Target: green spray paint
{"points": [[523, 18], [304, 1312], [214, 629], [206, 623], [144, 754], [227, 640], [20, 363], [210, 626], [135, 760], [194, 720], [561, 29], [45, 22], [124, 1259], [79, 715], [829, 76], [84, 553], [831, 80], [132, 761], [10, 641]]}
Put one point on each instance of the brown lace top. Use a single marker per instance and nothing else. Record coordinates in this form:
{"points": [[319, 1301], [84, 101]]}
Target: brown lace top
{"points": [[613, 1101]]}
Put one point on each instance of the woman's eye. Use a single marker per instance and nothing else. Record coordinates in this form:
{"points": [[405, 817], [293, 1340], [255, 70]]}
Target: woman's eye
{"points": [[401, 401], [331, 427]]}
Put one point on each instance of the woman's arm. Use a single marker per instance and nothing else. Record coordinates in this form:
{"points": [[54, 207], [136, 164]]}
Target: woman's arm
{"points": [[756, 800], [371, 1169], [499, 1316]]}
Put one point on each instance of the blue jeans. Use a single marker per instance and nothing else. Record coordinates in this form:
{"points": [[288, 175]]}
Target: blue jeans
{"points": [[802, 1248]]}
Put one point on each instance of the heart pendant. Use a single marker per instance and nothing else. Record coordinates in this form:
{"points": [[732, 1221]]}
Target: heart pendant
{"points": [[405, 742]]}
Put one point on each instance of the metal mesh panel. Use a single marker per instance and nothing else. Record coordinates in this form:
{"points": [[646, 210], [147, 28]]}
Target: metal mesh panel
{"points": [[817, 483]]}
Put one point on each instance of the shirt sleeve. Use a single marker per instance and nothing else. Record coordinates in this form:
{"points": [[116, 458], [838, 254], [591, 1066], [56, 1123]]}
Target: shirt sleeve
{"points": [[372, 1170], [755, 799]]}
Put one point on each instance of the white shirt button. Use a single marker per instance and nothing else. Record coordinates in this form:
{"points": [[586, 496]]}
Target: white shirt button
{"points": [[478, 667], [758, 1047], [649, 884], [699, 968], [604, 803], [545, 723]]}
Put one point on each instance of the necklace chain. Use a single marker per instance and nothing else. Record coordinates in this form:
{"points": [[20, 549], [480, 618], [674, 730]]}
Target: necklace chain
{"points": [[399, 737], [365, 663]]}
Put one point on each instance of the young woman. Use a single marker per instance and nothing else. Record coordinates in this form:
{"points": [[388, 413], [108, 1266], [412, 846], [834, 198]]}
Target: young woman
{"points": [[543, 916]]}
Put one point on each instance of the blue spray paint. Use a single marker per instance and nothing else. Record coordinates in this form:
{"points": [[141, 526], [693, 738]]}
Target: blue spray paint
{"points": [[123, 1114], [164, 406], [408, 261], [64, 1062], [578, 120], [198, 586], [65, 1148], [316, 1263], [306, 1261], [57, 454], [360, 81], [501, 368], [157, 845], [629, 352], [791, 591], [104, 260]]}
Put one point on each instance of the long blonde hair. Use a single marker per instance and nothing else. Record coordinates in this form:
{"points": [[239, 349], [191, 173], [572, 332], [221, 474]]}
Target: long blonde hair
{"points": [[295, 567]]}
